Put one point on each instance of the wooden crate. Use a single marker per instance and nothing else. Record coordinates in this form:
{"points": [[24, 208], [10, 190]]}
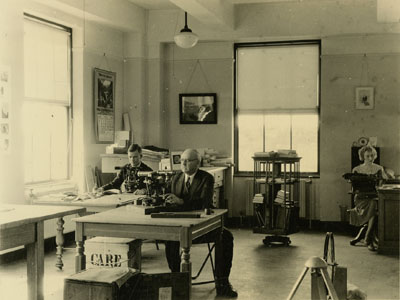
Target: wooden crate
{"points": [[113, 252], [100, 284], [166, 286]]}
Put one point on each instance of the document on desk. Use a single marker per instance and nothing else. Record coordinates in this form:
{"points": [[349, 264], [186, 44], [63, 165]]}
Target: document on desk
{"points": [[175, 215]]}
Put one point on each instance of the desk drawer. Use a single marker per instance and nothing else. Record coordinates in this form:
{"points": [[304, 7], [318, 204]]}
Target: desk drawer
{"points": [[217, 174], [108, 164], [218, 184]]}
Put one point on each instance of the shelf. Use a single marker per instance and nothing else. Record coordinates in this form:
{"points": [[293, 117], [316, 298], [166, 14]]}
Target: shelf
{"points": [[277, 176], [277, 181]]}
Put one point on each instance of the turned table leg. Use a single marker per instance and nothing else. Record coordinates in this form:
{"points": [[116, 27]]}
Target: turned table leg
{"points": [[60, 242], [80, 259]]}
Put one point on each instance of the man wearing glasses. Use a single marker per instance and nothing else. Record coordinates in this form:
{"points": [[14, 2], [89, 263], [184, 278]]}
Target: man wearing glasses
{"points": [[192, 189]]}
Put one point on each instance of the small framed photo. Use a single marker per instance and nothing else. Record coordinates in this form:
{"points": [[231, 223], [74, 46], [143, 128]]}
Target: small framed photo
{"points": [[198, 108], [364, 98], [175, 157]]}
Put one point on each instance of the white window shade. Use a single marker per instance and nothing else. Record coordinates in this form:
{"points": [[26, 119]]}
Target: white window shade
{"points": [[282, 78], [47, 75]]}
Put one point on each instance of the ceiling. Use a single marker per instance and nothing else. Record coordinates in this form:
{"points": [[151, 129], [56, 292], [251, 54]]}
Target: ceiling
{"points": [[171, 4]]}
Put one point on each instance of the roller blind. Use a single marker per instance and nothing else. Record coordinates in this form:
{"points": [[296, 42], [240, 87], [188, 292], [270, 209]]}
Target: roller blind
{"points": [[46, 54], [277, 78]]}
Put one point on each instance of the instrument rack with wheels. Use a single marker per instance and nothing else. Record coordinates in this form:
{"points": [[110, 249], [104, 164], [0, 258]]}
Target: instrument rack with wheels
{"points": [[277, 216]]}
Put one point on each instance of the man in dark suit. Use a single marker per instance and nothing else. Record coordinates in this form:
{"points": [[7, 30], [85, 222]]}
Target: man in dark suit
{"points": [[128, 175], [192, 189]]}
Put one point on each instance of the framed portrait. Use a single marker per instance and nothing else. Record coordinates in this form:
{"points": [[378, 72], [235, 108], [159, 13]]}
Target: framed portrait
{"points": [[364, 98], [104, 104], [198, 108], [175, 157]]}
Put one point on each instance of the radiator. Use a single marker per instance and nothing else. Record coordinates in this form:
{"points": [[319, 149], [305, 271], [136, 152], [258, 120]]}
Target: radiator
{"points": [[307, 201], [307, 198], [249, 196]]}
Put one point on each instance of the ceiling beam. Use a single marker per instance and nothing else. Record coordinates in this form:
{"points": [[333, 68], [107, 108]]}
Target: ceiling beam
{"points": [[120, 14], [215, 13]]}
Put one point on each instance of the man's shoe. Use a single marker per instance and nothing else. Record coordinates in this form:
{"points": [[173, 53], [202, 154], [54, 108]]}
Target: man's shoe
{"points": [[226, 290]]}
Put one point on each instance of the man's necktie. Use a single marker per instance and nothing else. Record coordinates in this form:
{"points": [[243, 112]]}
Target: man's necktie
{"points": [[188, 184]]}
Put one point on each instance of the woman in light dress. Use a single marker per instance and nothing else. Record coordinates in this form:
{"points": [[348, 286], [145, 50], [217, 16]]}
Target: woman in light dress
{"points": [[366, 205]]}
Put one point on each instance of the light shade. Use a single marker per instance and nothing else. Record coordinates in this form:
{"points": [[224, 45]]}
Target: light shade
{"points": [[186, 38]]}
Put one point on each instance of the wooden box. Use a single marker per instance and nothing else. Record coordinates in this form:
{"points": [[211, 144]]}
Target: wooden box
{"points": [[100, 284], [113, 252], [166, 286]]}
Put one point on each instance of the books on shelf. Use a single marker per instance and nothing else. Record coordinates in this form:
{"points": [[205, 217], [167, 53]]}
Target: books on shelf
{"points": [[258, 198], [279, 153]]}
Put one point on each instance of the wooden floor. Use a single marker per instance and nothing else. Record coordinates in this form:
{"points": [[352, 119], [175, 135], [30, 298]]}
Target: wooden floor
{"points": [[258, 272]]}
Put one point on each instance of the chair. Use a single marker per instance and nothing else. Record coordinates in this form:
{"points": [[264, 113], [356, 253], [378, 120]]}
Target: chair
{"points": [[364, 185], [208, 257]]}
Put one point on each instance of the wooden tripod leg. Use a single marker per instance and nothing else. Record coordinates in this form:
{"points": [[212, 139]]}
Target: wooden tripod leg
{"points": [[297, 284], [318, 290], [329, 285]]}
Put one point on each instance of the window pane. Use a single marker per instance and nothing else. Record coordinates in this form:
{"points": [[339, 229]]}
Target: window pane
{"points": [[46, 142], [305, 140], [250, 139], [47, 62], [59, 142], [277, 132]]}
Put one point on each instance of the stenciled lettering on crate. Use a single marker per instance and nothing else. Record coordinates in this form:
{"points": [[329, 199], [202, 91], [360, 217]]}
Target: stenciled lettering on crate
{"points": [[113, 252]]}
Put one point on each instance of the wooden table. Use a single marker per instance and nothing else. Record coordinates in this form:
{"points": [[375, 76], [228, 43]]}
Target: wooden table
{"points": [[388, 225], [94, 205], [23, 225], [131, 222]]}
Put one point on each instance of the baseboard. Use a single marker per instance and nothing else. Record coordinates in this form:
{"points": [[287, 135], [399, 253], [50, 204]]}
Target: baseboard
{"points": [[49, 245], [304, 224]]}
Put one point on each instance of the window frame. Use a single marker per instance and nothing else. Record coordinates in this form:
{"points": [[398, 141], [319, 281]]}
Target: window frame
{"points": [[236, 47], [69, 106]]}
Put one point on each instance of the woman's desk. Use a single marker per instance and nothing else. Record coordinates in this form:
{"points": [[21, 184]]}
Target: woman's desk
{"points": [[23, 225], [388, 231]]}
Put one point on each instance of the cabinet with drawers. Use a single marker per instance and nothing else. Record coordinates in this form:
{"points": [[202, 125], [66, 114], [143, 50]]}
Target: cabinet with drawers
{"points": [[219, 181]]}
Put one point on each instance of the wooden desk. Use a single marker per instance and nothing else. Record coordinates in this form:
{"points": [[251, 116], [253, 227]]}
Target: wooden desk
{"points": [[91, 205], [23, 225], [388, 231], [131, 222]]}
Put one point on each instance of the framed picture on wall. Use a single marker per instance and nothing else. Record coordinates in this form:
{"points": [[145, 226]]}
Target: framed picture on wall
{"points": [[364, 98], [104, 104], [198, 108], [175, 157]]}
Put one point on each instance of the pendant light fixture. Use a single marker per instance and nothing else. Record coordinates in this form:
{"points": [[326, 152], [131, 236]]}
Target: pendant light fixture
{"points": [[186, 38]]}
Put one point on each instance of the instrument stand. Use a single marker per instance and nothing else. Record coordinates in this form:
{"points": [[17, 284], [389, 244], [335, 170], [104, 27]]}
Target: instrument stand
{"points": [[273, 239], [320, 280]]}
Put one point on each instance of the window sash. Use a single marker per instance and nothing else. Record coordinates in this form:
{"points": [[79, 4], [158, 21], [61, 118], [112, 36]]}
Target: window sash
{"points": [[47, 102], [258, 107]]}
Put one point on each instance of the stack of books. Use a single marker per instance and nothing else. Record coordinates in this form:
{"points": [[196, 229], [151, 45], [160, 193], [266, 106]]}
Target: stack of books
{"points": [[258, 198], [281, 198]]}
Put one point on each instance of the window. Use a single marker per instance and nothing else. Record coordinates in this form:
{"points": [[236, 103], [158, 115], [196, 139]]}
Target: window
{"points": [[277, 101], [47, 102]]}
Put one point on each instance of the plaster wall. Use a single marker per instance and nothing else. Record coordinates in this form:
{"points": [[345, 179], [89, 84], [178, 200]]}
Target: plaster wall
{"points": [[11, 54], [103, 49], [350, 36]]}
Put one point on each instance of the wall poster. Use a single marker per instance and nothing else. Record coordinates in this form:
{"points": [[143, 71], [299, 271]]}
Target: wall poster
{"points": [[104, 105], [5, 105]]}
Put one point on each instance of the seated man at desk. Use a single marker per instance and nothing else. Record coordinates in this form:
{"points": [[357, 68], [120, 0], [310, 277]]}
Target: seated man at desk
{"points": [[128, 175], [193, 190]]}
